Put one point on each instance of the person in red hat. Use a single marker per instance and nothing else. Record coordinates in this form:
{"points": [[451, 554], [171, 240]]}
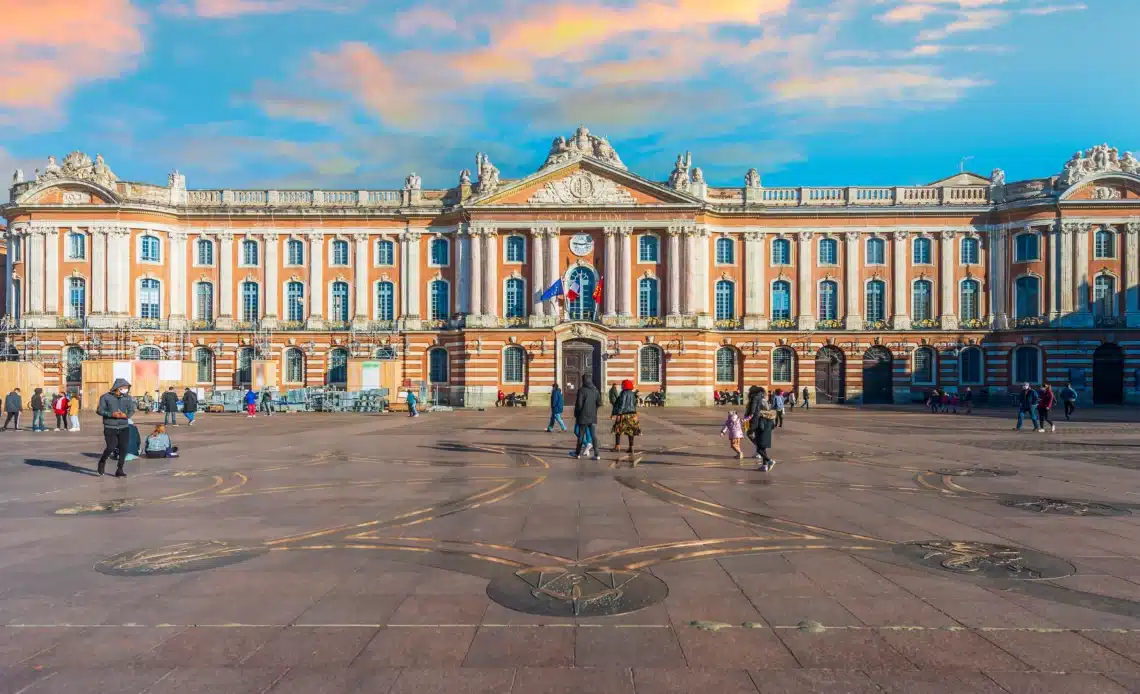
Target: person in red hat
{"points": [[625, 416]]}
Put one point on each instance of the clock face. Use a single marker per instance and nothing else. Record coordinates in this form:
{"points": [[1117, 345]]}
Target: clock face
{"points": [[581, 244]]}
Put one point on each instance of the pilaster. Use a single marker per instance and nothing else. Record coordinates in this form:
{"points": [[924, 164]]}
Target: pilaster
{"points": [[900, 260], [853, 318], [805, 261], [755, 317], [98, 235], [51, 273], [225, 319], [947, 281], [316, 319], [178, 261], [1083, 317], [625, 267], [610, 289], [1132, 274], [361, 314], [272, 310]]}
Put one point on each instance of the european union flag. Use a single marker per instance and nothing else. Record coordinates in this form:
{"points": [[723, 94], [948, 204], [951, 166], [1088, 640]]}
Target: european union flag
{"points": [[553, 291]]}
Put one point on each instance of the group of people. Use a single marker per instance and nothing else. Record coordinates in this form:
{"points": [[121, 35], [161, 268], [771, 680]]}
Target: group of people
{"points": [[65, 407], [121, 436], [762, 415], [623, 412], [1038, 404], [254, 402], [945, 401]]}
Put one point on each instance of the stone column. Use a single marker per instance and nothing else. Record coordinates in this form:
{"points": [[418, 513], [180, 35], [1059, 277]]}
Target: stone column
{"points": [[361, 316], [805, 261], [34, 271], [625, 267], [610, 288], [689, 269], [900, 307], [272, 309], [177, 264], [537, 276], [701, 292], [109, 270], [1053, 283], [51, 273], [754, 291], [947, 281], [491, 288], [476, 244], [853, 292], [462, 271], [1001, 279], [121, 266], [410, 279], [1083, 317], [225, 320], [674, 260], [553, 269], [13, 237], [316, 319], [1131, 274], [1066, 261]]}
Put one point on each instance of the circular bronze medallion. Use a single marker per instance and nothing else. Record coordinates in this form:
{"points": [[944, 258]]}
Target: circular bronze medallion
{"points": [[975, 472], [1061, 507], [183, 557], [985, 560], [98, 507], [577, 591]]}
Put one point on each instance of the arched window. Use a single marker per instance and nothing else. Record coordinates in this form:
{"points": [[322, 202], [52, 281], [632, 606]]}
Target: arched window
{"points": [[1104, 296], [437, 365], [294, 365], [1104, 245], [876, 300], [922, 300], [439, 300], [781, 300], [204, 301], [150, 248], [969, 300], [876, 252], [828, 300], [243, 376], [921, 251], [338, 367], [1026, 248], [250, 253], [582, 308], [338, 308], [1027, 365], [648, 250], [204, 358], [514, 305], [781, 252], [924, 366], [150, 353], [385, 252], [295, 301], [971, 367], [74, 361], [649, 364], [438, 252], [726, 365], [150, 299], [970, 251], [725, 300], [76, 297], [782, 361], [385, 301], [339, 252], [725, 251], [295, 252], [250, 301], [76, 246], [205, 252], [516, 249], [828, 252], [1027, 292], [514, 364], [647, 297], [386, 354]]}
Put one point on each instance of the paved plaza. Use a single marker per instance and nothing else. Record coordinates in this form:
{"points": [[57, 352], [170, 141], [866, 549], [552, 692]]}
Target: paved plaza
{"points": [[890, 550]]}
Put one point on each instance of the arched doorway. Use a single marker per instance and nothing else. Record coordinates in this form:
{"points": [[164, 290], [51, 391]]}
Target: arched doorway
{"points": [[580, 357], [73, 372], [1108, 375], [830, 385], [878, 376]]}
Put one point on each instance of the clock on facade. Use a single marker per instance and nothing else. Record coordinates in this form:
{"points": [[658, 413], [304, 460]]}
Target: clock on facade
{"points": [[581, 244]]}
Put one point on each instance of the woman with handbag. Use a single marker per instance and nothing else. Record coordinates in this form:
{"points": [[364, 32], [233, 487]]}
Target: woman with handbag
{"points": [[761, 420]]}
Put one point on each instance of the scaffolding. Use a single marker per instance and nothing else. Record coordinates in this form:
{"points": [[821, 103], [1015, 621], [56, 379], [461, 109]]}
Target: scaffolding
{"points": [[262, 341]]}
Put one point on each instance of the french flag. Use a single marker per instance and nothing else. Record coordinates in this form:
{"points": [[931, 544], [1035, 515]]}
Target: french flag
{"points": [[574, 290]]}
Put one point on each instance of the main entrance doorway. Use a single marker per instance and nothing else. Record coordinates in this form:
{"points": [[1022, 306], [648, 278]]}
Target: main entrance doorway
{"points": [[579, 357], [830, 385], [878, 387], [1108, 375]]}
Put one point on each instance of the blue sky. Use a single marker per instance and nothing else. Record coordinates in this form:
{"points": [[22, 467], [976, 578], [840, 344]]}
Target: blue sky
{"points": [[359, 93]]}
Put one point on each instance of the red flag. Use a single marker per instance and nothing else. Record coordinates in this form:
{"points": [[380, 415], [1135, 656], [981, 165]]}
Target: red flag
{"points": [[598, 291]]}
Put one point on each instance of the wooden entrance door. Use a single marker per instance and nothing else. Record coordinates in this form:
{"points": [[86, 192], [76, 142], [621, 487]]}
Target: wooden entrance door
{"points": [[829, 381], [1108, 375], [579, 357]]}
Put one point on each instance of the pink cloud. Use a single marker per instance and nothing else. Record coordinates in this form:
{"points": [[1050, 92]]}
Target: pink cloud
{"points": [[868, 86], [974, 20], [226, 9]]}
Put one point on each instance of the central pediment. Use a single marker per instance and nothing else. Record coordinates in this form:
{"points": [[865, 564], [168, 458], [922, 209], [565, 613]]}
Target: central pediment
{"points": [[583, 182]]}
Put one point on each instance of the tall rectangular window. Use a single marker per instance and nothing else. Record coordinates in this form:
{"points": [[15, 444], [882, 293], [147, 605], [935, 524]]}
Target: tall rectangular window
{"points": [[781, 300], [150, 305]]}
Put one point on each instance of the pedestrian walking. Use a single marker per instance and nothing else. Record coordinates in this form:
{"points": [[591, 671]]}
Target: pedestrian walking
{"points": [[588, 448], [170, 407], [189, 406], [412, 404], [761, 419], [250, 403], [626, 422], [13, 405], [932, 400], [954, 399], [613, 397], [59, 408], [1028, 405], [790, 400], [116, 408], [1069, 397], [556, 407], [38, 407], [734, 427], [806, 399], [266, 404], [1045, 402], [74, 403], [778, 406], [968, 400], [586, 407]]}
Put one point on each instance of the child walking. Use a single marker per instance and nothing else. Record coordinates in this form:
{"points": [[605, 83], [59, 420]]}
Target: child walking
{"points": [[735, 430]]}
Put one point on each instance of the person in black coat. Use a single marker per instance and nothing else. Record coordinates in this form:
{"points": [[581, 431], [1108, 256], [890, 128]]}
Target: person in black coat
{"points": [[170, 407], [761, 421], [586, 414], [190, 405]]}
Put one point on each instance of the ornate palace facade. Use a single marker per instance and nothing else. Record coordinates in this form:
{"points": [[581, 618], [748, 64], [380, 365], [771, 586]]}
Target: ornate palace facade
{"points": [[859, 293]]}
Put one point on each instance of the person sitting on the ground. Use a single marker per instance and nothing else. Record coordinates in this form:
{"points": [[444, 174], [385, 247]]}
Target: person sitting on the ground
{"points": [[158, 444]]}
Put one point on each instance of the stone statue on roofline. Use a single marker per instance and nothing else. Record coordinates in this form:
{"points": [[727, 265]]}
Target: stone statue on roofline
{"points": [[997, 178], [412, 182], [679, 178], [488, 173], [1130, 164], [581, 144], [18, 176], [78, 165], [698, 175], [1095, 160], [752, 179], [465, 177]]}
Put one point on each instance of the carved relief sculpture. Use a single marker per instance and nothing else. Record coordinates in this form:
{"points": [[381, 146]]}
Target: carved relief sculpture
{"points": [[581, 144], [582, 188], [1099, 159], [79, 166]]}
